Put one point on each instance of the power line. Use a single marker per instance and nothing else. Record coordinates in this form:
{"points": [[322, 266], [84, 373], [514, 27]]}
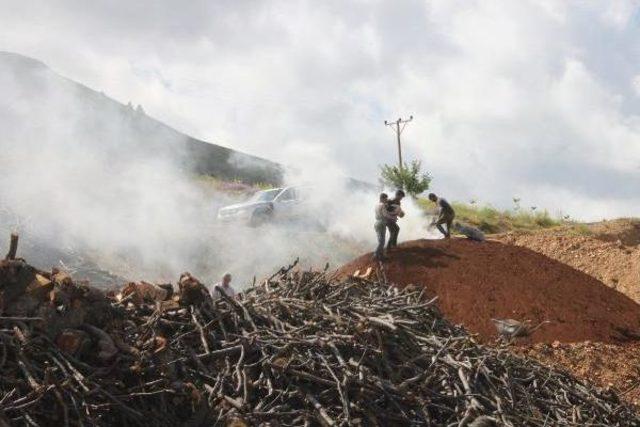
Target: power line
{"points": [[398, 130]]}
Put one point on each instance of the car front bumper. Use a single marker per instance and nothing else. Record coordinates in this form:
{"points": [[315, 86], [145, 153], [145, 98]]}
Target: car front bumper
{"points": [[234, 216]]}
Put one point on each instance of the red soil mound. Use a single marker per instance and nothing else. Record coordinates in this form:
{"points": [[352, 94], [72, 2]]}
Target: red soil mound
{"points": [[476, 282]]}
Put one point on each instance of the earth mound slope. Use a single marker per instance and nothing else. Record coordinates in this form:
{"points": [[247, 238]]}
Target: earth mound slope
{"points": [[608, 251], [476, 282]]}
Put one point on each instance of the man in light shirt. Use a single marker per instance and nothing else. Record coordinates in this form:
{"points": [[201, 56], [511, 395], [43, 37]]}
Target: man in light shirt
{"points": [[223, 286], [395, 211], [383, 218]]}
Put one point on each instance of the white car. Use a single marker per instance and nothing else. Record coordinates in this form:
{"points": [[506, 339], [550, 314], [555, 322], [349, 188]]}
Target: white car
{"points": [[277, 204]]}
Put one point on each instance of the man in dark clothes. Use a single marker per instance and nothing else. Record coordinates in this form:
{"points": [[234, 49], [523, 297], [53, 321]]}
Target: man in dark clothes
{"points": [[446, 214], [395, 210]]}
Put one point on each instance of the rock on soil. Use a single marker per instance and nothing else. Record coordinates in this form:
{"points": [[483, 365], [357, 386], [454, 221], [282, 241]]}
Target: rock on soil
{"points": [[476, 282]]}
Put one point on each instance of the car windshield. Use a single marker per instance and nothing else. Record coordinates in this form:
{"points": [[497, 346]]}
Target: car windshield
{"points": [[265, 196], [304, 193]]}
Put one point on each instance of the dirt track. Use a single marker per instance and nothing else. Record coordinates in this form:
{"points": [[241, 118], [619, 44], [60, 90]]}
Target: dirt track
{"points": [[476, 282]]}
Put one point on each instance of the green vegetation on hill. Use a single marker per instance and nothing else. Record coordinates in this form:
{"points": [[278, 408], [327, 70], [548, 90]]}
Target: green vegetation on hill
{"points": [[212, 183], [492, 220]]}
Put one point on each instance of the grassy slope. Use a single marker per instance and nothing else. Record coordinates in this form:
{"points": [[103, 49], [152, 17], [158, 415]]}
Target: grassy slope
{"points": [[485, 217], [492, 220], [495, 221]]}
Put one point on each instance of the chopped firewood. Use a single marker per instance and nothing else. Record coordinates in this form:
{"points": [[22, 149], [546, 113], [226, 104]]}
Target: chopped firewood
{"points": [[40, 287], [192, 291], [13, 247], [298, 349], [73, 342], [106, 348], [61, 277], [142, 292]]}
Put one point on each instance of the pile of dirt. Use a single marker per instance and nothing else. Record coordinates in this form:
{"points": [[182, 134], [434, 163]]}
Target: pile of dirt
{"points": [[476, 282], [606, 365], [610, 257]]}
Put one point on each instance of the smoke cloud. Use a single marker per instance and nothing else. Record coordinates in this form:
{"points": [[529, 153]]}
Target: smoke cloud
{"points": [[86, 194], [535, 98]]}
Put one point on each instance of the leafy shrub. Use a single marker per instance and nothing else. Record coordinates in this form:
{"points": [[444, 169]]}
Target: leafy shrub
{"points": [[410, 179]]}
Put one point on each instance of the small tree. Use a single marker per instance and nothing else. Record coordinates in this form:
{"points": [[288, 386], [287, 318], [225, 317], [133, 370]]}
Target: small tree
{"points": [[410, 179]]}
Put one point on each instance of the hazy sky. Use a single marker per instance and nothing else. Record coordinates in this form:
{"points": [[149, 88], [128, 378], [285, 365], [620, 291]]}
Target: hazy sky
{"points": [[535, 99]]}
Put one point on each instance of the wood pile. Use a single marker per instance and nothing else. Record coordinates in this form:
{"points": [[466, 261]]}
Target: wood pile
{"points": [[298, 349]]}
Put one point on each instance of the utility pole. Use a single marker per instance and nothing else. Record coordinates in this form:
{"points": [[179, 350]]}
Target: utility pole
{"points": [[398, 130]]}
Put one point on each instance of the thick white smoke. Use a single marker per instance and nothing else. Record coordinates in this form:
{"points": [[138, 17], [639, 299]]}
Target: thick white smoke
{"points": [[83, 192]]}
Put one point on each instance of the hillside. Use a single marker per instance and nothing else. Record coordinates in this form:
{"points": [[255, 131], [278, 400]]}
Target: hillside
{"points": [[493, 220], [36, 102]]}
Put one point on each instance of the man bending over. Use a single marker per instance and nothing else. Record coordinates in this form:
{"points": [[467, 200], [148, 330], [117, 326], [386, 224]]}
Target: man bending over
{"points": [[446, 214]]}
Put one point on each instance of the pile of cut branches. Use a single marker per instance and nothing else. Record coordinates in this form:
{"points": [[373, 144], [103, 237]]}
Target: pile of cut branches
{"points": [[298, 349]]}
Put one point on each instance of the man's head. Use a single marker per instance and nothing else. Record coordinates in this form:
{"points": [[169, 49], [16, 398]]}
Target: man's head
{"points": [[399, 195], [383, 197], [433, 197], [226, 279]]}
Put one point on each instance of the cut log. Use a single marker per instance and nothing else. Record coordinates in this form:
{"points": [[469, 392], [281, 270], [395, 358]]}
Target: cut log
{"points": [[73, 341], [40, 287], [13, 247]]}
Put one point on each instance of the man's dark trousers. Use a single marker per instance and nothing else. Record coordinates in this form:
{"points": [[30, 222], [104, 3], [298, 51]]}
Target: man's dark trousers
{"points": [[394, 229], [381, 232]]}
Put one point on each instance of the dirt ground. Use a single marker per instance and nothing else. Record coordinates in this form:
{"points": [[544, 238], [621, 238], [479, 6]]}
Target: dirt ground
{"points": [[608, 251], [476, 282], [606, 365], [625, 231]]}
